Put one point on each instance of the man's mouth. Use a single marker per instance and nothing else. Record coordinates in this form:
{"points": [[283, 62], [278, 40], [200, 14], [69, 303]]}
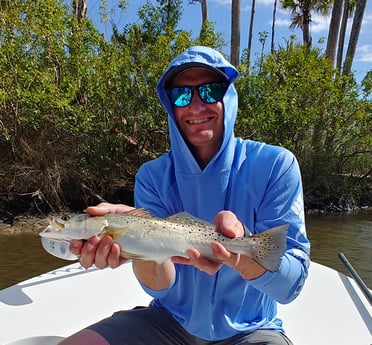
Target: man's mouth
{"points": [[198, 121]]}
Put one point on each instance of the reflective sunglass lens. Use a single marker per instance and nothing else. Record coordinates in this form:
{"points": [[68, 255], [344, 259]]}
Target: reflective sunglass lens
{"points": [[180, 96], [211, 93], [208, 93]]}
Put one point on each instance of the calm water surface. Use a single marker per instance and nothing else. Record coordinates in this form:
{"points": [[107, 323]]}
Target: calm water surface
{"points": [[350, 234], [22, 257]]}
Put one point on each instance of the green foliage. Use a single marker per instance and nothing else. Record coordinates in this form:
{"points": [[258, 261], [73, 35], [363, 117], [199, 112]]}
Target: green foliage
{"points": [[78, 110], [208, 37], [32, 51], [298, 101], [367, 85], [75, 108]]}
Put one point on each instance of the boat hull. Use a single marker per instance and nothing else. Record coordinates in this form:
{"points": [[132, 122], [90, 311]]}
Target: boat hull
{"points": [[59, 303]]}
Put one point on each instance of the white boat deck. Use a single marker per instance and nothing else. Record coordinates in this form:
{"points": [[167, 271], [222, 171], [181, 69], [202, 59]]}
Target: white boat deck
{"points": [[330, 310]]}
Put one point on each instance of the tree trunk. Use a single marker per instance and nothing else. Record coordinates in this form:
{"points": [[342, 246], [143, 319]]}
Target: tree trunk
{"points": [[306, 19], [80, 9], [341, 39], [354, 35], [204, 8], [334, 27], [273, 27], [3, 5], [235, 32], [204, 12], [250, 33]]}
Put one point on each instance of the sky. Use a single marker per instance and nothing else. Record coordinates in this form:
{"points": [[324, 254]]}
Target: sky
{"points": [[219, 11]]}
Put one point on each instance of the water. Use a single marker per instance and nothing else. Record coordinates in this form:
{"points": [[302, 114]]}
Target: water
{"points": [[350, 234], [22, 257]]}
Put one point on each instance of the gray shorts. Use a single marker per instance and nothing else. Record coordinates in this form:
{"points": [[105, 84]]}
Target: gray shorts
{"points": [[155, 326]]}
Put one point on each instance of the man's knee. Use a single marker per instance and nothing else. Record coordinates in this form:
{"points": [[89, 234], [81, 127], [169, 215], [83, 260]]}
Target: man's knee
{"points": [[85, 337]]}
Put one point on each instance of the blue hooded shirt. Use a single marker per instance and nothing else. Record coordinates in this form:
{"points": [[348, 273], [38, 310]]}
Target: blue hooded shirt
{"points": [[261, 184]]}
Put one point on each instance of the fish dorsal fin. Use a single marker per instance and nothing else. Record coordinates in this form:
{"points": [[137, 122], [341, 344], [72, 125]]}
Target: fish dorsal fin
{"points": [[139, 212], [186, 218]]}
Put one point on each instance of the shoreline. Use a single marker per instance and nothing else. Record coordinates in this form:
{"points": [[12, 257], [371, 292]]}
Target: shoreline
{"points": [[34, 224], [24, 224]]}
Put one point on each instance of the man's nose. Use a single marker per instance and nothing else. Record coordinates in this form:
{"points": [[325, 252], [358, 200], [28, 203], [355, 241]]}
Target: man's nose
{"points": [[196, 101]]}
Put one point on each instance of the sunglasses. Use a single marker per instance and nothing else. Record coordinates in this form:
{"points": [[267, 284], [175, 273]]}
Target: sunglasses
{"points": [[209, 93]]}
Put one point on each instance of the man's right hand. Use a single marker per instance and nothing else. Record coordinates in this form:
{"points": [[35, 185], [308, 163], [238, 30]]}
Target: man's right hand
{"points": [[102, 252]]}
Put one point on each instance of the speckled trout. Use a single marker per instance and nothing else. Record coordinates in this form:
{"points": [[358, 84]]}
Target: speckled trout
{"points": [[142, 237]]}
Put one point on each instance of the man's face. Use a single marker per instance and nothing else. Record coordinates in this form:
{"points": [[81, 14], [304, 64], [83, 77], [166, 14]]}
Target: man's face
{"points": [[201, 124]]}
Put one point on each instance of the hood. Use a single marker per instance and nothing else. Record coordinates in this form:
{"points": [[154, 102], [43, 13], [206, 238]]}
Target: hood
{"points": [[210, 57], [188, 173]]}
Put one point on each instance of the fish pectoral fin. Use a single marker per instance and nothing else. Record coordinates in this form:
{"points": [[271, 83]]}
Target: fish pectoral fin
{"points": [[131, 256], [114, 232]]}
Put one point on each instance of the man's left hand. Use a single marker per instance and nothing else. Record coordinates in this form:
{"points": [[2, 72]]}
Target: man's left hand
{"points": [[228, 224]]}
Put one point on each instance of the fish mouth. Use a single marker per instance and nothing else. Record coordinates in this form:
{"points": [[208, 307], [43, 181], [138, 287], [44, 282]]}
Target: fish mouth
{"points": [[54, 228], [56, 225], [50, 231]]}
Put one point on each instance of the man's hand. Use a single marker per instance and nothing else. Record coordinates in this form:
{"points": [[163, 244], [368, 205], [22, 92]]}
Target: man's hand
{"points": [[228, 224], [102, 252]]}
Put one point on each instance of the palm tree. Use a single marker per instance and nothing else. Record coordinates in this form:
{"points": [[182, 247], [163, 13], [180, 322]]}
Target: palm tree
{"points": [[341, 39], [80, 9], [301, 14], [354, 35], [250, 34], [348, 11], [273, 27], [334, 27], [204, 10], [235, 32], [204, 7]]}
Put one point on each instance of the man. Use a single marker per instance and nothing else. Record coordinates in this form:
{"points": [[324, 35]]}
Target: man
{"points": [[237, 184]]}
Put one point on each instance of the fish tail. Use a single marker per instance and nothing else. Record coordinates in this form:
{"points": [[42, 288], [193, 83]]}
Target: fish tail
{"points": [[271, 246], [266, 248]]}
